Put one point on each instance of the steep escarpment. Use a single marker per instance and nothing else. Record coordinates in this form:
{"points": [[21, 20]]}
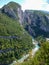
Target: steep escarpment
{"points": [[13, 10], [36, 23]]}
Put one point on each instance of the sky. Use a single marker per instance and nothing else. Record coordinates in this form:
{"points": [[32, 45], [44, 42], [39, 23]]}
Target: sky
{"points": [[29, 4]]}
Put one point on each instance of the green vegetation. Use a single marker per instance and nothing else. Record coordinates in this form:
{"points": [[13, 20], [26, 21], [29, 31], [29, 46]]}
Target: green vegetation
{"points": [[40, 40], [41, 57], [14, 48], [13, 5]]}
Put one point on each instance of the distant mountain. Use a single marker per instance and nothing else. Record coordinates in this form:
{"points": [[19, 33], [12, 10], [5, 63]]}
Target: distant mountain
{"points": [[36, 23], [47, 12]]}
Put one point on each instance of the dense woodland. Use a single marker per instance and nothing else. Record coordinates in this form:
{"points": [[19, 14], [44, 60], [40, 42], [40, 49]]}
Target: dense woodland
{"points": [[13, 48], [41, 57], [15, 40]]}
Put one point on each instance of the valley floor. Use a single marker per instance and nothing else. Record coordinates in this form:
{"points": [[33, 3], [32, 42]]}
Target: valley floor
{"points": [[27, 55]]}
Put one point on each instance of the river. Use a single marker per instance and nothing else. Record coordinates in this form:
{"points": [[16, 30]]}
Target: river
{"points": [[27, 55]]}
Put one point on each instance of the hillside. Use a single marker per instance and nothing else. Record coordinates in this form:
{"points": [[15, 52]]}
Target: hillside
{"points": [[41, 57], [14, 40], [16, 31], [36, 23]]}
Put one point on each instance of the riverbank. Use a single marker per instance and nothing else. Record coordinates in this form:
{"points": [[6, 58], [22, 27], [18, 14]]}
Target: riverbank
{"points": [[27, 55]]}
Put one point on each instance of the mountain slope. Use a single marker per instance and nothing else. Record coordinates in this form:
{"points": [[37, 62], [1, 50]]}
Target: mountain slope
{"points": [[36, 23], [41, 57], [13, 10], [13, 38]]}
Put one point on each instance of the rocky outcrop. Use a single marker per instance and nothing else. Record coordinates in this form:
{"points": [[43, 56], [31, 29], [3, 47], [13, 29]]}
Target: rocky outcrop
{"points": [[36, 23], [9, 11], [20, 15], [14, 11]]}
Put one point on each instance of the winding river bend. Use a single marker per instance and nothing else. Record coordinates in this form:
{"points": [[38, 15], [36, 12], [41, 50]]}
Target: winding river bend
{"points": [[27, 55]]}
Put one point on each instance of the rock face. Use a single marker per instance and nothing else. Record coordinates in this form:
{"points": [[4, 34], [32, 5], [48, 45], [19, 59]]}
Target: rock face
{"points": [[9, 11], [20, 15], [36, 23], [13, 10]]}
